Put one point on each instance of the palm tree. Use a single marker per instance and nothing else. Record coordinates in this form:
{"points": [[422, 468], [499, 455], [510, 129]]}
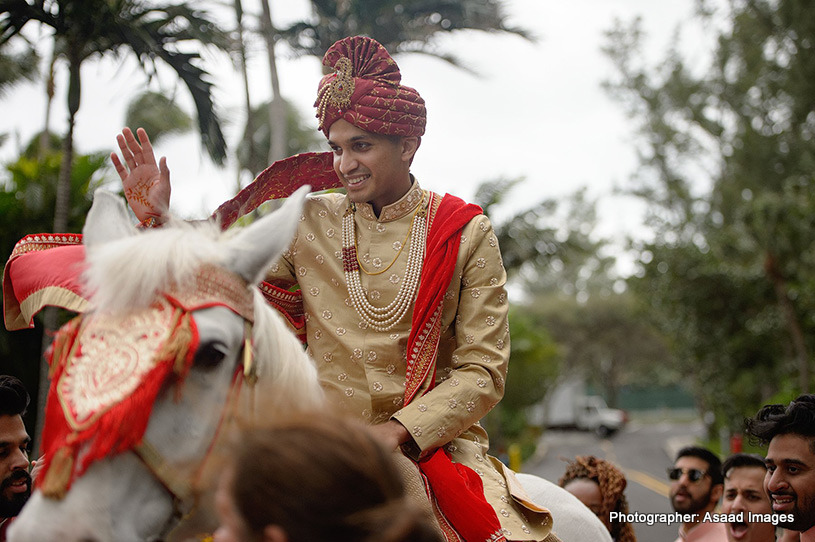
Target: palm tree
{"points": [[158, 114], [402, 26], [251, 152], [15, 68], [84, 29], [277, 107]]}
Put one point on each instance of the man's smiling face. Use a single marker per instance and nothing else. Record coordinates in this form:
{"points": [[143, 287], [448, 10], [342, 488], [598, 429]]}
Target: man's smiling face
{"points": [[373, 168], [790, 479]]}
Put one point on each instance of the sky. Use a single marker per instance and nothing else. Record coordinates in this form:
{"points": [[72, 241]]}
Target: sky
{"points": [[532, 109]]}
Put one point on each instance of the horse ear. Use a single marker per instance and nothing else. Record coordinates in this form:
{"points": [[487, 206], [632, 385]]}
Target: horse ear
{"points": [[260, 244], [107, 220]]}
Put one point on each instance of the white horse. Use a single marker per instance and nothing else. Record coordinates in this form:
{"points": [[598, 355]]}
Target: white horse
{"points": [[137, 280], [141, 494], [573, 521]]}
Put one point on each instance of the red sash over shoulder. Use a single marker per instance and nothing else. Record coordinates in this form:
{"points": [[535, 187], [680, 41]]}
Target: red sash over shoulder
{"points": [[457, 489]]}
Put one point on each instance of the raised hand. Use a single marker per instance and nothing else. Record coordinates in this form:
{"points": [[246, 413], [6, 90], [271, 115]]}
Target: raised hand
{"points": [[146, 184]]}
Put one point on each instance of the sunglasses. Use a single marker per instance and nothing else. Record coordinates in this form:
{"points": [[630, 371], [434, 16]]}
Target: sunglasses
{"points": [[694, 475]]}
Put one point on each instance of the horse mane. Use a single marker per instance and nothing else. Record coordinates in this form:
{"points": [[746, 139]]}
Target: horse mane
{"points": [[296, 380], [129, 273]]}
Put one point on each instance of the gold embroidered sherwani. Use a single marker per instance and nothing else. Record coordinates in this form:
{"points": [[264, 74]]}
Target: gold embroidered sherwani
{"points": [[363, 370]]}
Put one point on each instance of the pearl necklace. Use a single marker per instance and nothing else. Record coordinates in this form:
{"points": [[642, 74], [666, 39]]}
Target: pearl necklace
{"points": [[383, 318]]}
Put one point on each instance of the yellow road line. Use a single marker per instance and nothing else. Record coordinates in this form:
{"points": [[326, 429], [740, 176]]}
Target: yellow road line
{"points": [[647, 481]]}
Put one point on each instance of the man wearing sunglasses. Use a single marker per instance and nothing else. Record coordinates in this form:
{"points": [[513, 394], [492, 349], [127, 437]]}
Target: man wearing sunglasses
{"points": [[696, 487], [789, 432]]}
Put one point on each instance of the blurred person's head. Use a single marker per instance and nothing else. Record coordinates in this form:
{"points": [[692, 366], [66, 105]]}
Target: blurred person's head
{"points": [[744, 494], [315, 478], [600, 486], [789, 432], [15, 482], [696, 480]]}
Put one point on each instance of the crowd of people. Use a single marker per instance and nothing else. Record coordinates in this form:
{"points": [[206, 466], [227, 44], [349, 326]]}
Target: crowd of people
{"points": [[763, 499], [399, 294]]}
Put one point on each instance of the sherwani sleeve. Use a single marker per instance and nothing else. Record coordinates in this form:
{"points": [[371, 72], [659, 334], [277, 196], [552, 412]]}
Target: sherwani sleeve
{"points": [[480, 350]]}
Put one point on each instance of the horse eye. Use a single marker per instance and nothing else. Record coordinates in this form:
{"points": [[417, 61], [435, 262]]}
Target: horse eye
{"points": [[210, 355]]}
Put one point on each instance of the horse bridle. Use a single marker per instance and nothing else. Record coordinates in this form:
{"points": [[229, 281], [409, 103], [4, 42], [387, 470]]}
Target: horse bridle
{"points": [[211, 286], [214, 286]]}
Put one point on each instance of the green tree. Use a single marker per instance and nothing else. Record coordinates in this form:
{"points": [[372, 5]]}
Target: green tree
{"points": [[551, 244], [252, 151], [16, 67], [727, 156], [84, 29], [159, 115], [401, 26]]}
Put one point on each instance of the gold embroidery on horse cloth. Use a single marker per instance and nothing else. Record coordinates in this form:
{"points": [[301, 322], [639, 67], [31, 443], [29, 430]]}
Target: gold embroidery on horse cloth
{"points": [[109, 360], [116, 351], [100, 360], [44, 241]]}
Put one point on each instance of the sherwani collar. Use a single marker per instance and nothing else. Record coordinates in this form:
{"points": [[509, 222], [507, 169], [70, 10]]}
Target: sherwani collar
{"points": [[399, 209]]}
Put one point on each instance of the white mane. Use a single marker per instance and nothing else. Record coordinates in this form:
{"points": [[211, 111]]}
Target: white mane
{"points": [[295, 383], [129, 273]]}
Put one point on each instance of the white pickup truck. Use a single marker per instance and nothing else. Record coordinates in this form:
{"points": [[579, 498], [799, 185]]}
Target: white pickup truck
{"points": [[568, 406]]}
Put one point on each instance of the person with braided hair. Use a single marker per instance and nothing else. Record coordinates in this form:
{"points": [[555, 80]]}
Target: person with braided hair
{"points": [[316, 478], [600, 486]]}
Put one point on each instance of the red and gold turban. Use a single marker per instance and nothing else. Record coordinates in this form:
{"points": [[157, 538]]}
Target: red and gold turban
{"points": [[365, 90]]}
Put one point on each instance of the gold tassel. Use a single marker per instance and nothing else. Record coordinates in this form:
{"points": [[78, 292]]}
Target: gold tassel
{"points": [[177, 344], [64, 336], [250, 373], [181, 343], [58, 476]]}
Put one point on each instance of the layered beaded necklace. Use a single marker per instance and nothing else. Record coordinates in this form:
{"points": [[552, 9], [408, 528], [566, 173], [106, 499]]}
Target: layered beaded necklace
{"points": [[383, 318]]}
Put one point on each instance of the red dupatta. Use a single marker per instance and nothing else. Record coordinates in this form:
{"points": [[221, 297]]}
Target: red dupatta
{"points": [[457, 489]]}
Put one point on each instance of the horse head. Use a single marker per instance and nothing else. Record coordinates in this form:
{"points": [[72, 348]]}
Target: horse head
{"points": [[179, 344]]}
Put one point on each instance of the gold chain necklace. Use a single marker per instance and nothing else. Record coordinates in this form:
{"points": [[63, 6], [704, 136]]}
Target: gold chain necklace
{"points": [[383, 318], [401, 247]]}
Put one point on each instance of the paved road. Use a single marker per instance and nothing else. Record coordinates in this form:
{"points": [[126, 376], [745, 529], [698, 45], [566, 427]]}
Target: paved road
{"points": [[642, 450]]}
